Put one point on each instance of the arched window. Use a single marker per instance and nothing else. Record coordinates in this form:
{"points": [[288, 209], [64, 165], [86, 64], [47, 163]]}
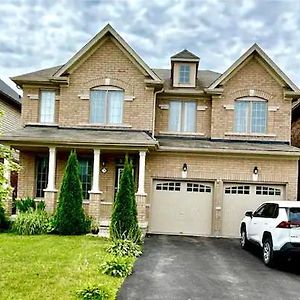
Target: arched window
{"points": [[250, 115], [106, 105]]}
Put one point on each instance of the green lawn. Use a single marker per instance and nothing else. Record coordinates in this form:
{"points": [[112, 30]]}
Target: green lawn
{"points": [[51, 267]]}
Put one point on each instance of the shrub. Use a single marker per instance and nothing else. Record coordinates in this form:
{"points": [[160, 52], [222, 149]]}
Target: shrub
{"points": [[70, 216], [31, 222], [26, 204], [124, 248], [117, 267], [95, 293], [4, 221], [124, 223]]}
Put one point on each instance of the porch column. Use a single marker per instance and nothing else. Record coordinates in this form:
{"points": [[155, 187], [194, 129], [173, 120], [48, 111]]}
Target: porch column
{"points": [[50, 191], [95, 193], [142, 163], [8, 200], [141, 195], [96, 171]]}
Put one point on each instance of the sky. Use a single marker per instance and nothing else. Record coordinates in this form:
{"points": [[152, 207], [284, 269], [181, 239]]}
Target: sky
{"points": [[37, 34]]}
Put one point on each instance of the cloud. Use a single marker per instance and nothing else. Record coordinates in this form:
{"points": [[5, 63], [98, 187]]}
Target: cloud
{"points": [[43, 33]]}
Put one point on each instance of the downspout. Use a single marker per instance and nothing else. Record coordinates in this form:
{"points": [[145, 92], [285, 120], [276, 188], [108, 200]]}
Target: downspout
{"points": [[154, 110]]}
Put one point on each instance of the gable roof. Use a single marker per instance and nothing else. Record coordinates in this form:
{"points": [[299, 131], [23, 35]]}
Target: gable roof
{"points": [[43, 75], [186, 55], [10, 95], [255, 49], [204, 78], [107, 30]]}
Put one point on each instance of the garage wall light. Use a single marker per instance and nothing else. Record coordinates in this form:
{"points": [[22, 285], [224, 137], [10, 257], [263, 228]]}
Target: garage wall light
{"points": [[255, 170], [184, 167]]}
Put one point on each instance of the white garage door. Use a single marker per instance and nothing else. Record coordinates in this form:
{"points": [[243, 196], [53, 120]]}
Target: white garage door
{"points": [[239, 198], [179, 207]]}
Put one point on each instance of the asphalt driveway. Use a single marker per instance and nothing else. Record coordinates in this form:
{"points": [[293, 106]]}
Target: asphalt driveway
{"points": [[176, 267]]}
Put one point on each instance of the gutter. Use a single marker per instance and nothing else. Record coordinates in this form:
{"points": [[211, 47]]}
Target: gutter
{"points": [[227, 151], [154, 110]]}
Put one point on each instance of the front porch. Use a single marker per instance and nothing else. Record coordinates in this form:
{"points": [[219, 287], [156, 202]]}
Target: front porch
{"points": [[100, 170]]}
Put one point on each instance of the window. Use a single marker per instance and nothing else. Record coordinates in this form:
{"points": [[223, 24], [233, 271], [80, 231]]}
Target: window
{"points": [[294, 214], [267, 211], [198, 188], [250, 116], [238, 189], [47, 106], [106, 105], [182, 116], [41, 176], [85, 173], [267, 191], [184, 74], [171, 186]]}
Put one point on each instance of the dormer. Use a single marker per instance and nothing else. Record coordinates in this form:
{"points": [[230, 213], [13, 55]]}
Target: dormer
{"points": [[184, 68]]}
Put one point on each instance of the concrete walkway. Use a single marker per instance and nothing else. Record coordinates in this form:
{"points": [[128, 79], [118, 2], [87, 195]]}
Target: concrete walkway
{"points": [[175, 267]]}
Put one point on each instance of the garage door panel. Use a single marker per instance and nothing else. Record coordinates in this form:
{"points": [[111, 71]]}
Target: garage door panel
{"points": [[180, 207], [239, 198]]}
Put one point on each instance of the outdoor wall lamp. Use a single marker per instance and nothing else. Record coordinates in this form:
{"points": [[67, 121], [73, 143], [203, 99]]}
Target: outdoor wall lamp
{"points": [[255, 170], [103, 169], [184, 167]]}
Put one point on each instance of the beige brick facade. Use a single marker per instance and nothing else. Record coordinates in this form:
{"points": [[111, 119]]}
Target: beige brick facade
{"points": [[109, 65], [252, 79]]}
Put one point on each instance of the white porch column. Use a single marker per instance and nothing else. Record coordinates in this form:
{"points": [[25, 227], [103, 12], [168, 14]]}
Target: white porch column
{"points": [[51, 170], [96, 172], [95, 193], [142, 164]]}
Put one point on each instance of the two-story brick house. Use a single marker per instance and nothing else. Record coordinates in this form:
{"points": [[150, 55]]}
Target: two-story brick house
{"points": [[206, 146]]}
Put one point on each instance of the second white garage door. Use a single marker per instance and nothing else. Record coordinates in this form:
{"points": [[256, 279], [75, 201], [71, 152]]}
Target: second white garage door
{"points": [[179, 207], [239, 198]]}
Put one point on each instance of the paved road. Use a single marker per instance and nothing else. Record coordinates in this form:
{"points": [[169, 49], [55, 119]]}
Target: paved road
{"points": [[175, 267]]}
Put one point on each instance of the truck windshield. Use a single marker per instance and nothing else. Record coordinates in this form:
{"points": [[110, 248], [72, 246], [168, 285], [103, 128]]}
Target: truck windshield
{"points": [[294, 214]]}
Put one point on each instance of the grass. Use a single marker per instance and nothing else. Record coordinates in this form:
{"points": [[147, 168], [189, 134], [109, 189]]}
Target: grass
{"points": [[51, 267]]}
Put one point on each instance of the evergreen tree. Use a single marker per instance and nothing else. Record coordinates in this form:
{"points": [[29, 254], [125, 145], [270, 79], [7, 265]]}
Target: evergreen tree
{"points": [[124, 223], [70, 218]]}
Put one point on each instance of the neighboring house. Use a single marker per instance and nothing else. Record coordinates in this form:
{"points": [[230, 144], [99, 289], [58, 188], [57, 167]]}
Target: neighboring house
{"points": [[10, 106], [206, 147]]}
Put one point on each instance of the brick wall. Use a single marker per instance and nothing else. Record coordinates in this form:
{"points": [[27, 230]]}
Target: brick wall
{"points": [[108, 62], [253, 76], [26, 179], [296, 133], [223, 167], [203, 115]]}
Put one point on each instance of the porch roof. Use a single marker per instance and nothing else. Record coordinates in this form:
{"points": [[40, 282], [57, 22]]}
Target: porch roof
{"points": [[221, 146], [45, 135]]}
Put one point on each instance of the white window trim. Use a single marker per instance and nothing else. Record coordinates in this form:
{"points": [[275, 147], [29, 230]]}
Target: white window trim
{"points": [[106, 88], [249, 131]]}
